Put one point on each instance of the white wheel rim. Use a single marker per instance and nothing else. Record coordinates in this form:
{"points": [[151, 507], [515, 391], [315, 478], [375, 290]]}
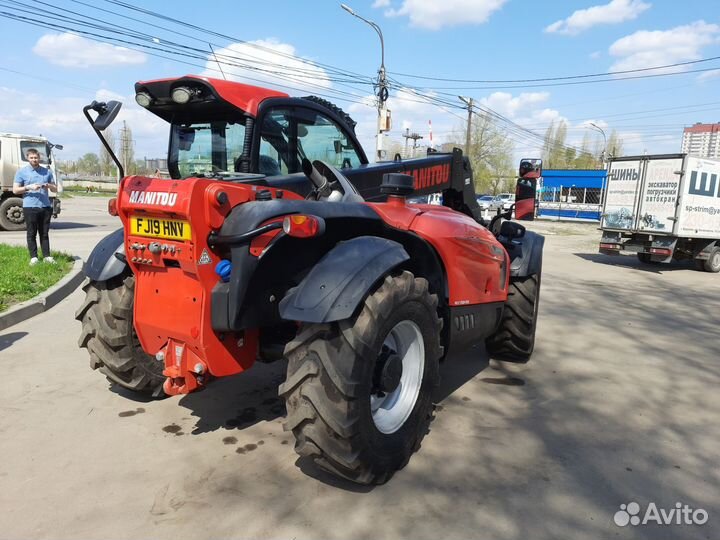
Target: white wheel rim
{"points": [[390, 411], [715, 260]]}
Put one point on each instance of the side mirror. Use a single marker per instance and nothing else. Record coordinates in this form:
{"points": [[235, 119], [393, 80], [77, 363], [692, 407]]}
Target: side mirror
{"points": [[511, 230], [107, 112]]}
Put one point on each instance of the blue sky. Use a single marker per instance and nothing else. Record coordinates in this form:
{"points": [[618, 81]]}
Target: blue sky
{"points": [[48, 74]]}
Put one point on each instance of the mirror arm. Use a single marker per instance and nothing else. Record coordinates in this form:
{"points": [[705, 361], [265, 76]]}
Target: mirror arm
{"points": [[100, 108]]}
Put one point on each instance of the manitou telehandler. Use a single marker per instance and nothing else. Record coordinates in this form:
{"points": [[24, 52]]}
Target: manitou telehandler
{"points": [[274, 238]]}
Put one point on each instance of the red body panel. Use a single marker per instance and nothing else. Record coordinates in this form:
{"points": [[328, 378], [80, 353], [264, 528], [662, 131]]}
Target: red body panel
{"points": [[244, 96], [175, 278], [477, 265], [173, 287]]}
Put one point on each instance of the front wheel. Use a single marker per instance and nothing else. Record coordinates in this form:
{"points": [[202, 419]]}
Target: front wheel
{"points": [[12, 217], [358, 392], [514, 340]]}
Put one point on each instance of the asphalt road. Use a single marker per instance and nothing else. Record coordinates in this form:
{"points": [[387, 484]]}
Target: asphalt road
{"points": [[616, 406]]}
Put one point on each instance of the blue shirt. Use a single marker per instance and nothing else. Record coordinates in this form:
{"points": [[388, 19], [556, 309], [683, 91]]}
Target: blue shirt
{"points": [[28, 176]]}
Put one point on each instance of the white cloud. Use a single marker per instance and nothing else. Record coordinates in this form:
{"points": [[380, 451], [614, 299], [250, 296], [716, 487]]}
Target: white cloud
{"points": [[71, 50], [507, 105], [61, 120], [268, 62], [436, 14], [659, 47], [616, 11], [709, 75], [381, 3]]}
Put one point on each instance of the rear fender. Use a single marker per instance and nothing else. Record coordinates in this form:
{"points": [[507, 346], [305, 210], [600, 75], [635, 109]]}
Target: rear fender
{"points": [[526, 254], [107, 260], [337, 284]]}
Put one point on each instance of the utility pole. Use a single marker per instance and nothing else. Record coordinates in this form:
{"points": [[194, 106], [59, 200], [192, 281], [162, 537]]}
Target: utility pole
{"points": [[125, 146], [469, 103], [383, 121], [414, 136]]}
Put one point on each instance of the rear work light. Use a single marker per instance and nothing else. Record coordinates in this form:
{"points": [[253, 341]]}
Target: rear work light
{"points": [[112, 207], [610, 246], [302, 226]]}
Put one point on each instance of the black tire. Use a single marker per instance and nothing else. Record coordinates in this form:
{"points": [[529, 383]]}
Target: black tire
{"points": [[646, 258], [514, 340], [11, 214], [712, 263], [332, 374], [109, 336]]}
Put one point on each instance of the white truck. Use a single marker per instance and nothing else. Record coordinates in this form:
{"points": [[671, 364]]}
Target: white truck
{"points": [[663, 207], [13, 150]]}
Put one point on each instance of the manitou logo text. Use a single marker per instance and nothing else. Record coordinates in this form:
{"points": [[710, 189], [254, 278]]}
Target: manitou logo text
{"points": [[153, 197]]}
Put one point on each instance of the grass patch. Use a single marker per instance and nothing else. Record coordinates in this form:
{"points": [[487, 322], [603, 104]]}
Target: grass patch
{"points": [[19, 281]]}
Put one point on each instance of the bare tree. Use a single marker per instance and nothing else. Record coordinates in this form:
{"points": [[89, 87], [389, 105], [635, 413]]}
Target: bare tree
{"points": [[107, 165]]}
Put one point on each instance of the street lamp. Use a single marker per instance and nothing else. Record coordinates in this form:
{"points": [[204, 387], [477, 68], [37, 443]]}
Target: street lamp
{"points": [[605, 178], [382, 93]]}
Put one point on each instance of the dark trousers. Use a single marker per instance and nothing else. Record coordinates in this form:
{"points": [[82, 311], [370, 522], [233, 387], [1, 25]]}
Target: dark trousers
{"points": [[37, 221]]}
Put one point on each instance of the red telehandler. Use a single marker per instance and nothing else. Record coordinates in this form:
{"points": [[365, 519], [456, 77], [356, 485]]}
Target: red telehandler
{"points": [[274, 238]]}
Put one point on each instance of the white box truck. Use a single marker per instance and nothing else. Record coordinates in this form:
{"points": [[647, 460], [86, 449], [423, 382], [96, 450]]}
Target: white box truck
{"points": [[663, 207], [13, 150]]}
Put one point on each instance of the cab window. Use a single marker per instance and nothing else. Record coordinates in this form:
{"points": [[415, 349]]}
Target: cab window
{"points": [[288, 135], [39, 146]]}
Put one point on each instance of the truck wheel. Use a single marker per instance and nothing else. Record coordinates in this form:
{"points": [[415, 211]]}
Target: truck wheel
{"points": [[514, 340], [646, 258], [358, 392], [109, 336], [11, 214], [712, 264]]}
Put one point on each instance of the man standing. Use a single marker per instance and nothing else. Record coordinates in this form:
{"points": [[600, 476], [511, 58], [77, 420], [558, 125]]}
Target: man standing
{"points": [[33, 182]]}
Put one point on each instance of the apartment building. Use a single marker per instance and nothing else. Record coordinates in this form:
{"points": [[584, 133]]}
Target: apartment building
{"points": [[702, 140]]}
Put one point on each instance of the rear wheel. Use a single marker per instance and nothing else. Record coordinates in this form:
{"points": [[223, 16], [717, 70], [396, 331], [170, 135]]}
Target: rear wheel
{"points": [[11, 214], [515, 338], [109, 336], [358, 392], [712, 263]]}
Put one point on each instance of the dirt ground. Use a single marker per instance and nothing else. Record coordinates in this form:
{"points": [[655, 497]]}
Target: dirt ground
{"points": [[616, 406]]}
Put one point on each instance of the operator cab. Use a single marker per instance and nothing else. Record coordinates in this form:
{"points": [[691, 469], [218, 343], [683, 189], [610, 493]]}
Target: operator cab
{"points": [[222, 129]]}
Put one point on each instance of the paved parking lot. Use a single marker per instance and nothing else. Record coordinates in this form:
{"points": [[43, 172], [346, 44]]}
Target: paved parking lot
{"points": [[618, 405]]}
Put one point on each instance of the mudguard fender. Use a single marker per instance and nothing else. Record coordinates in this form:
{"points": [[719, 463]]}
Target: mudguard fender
{"points": [[341, 280], [107, 260], [526, 255]]}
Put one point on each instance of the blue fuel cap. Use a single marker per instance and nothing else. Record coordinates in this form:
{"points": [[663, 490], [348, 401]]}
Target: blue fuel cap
{"points": [[223, 269]]}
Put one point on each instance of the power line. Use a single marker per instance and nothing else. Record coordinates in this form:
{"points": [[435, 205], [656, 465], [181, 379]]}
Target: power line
{"points": [[567, 77]]}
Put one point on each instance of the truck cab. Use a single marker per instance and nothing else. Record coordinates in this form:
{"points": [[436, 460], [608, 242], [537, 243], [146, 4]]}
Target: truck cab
{"points": [[13, 151]]}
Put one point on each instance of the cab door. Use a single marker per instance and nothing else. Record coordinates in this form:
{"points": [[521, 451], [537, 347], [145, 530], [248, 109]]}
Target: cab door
{"points": [[659, 197]]}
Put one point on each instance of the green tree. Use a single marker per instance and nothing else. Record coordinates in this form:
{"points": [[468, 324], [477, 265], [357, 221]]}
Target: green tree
{"points": [[89, 164], [490, 153]]}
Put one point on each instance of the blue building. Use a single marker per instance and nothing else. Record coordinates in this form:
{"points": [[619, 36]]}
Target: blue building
{"points": [[571, 193]]}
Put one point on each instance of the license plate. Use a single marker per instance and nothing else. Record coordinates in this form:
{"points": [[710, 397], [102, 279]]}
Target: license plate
{"points": [[171, 229]]}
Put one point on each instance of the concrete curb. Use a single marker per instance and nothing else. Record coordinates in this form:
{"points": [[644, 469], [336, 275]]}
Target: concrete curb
{"points": [[46, 300]]}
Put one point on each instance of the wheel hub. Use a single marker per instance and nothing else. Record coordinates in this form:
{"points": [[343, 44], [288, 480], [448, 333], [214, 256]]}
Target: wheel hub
{"points": [[389, 368], [397, 377], [15, 214]]}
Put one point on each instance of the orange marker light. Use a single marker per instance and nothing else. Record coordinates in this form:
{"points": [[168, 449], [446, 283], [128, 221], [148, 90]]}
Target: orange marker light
{"points": [[112, 207], [302, 226]]}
